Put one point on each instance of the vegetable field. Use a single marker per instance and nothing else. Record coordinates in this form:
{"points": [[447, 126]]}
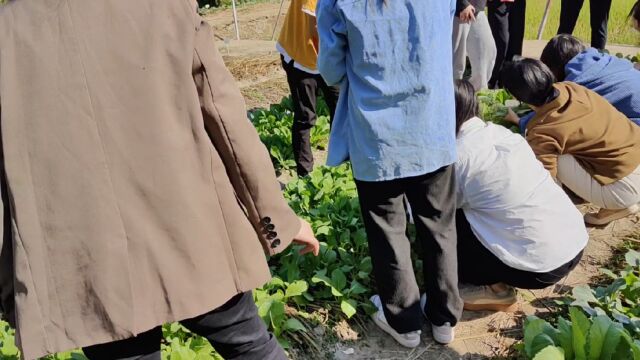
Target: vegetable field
{"points": [[310, 300], [308, 293], [602, 323]]}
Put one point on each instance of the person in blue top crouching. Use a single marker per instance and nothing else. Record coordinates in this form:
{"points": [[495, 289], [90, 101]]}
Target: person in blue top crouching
{"points": [[612, 78]]}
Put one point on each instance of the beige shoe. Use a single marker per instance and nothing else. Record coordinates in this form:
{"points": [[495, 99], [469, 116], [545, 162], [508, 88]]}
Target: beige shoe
{"points": [[605, 216], [483, 298]]}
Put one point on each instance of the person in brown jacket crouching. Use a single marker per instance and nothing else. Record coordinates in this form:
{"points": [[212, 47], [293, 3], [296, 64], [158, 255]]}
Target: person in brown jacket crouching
{"points": [[135, 191], [584, 142]]}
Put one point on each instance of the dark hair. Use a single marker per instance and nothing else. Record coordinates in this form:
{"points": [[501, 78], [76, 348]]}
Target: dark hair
{"points": [[467, 105], [635, 12], [559, 51], [529, 80]]}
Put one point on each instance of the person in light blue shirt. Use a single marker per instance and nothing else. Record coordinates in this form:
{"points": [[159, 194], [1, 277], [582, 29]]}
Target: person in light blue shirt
{"points": [[395, 122]]}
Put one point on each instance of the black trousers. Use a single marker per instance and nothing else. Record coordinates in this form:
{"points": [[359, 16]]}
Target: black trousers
{"points": [[235, 330], [478, 266], [304, 93], [432, 200], [507, 22], [599, 19]]}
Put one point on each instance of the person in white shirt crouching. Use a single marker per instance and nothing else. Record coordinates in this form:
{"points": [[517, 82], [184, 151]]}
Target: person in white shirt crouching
{"points": [[516, 227]]}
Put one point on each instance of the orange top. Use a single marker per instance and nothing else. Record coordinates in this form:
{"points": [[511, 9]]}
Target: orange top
{"points": [[297, 38]]}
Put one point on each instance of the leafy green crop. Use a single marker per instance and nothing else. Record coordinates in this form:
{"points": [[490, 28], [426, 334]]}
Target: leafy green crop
{"points": [[581, 338], [493, 108], [604, 322], [340, 277], [274, 127], [328, 199], [272, 301], [180, 344], [8, 349], [620, 299]]}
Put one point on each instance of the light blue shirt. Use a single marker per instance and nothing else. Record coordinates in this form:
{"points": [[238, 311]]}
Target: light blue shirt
{"points": [[396, 113]]}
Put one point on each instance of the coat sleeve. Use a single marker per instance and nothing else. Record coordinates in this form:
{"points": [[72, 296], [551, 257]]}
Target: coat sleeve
{"points": [[332, 30], [547, 150], [6, 248], [246, 159]]}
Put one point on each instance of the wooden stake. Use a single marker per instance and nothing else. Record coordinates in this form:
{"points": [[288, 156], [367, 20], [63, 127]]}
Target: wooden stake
{"points": [[543, 24], [275, 27], [235, 19]]}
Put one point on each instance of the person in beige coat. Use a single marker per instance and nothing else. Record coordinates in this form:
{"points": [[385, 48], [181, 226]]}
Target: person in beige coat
{"points": [[135, 191], [585, 142]]}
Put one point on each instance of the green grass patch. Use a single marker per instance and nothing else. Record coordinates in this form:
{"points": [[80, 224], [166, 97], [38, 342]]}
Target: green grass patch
{"points": [[620, 31]]}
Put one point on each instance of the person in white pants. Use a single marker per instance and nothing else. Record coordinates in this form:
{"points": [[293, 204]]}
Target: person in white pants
{"points": [[472, 37], [584, 142]]}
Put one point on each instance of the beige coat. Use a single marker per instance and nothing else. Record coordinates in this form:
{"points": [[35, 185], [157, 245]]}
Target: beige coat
{"points": [[135, 185]]}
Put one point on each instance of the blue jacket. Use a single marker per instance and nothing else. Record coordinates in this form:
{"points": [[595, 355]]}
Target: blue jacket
{"points": [[396, 113], [612, 78]]}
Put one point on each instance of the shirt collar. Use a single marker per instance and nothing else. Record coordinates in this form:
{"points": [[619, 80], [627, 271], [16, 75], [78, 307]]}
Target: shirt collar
{"points": [[543, 111], [471, 125]]}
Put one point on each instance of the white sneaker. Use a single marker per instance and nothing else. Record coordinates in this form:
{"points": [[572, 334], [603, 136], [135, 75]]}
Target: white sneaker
{"points": [[444, 334], [410, 340]]}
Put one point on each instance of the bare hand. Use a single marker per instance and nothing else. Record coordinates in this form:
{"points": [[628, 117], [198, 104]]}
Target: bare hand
{"points": [[512, 117], [307, 238], [468, 15]]}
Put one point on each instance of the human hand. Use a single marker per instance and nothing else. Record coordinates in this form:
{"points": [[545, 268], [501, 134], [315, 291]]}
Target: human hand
{"points": [[306, 238], [468, 15], [637, 66], [512, 117]]}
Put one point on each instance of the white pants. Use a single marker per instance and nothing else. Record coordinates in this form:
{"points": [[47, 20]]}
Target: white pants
{"points": [[476, 41], [618, 195]]}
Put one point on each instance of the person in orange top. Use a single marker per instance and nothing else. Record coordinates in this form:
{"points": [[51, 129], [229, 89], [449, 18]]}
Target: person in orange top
{"points": [[584, 142], [298, 47]]}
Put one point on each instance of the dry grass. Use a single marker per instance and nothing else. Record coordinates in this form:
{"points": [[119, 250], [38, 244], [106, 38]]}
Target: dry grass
{"points": [[251, 68]]}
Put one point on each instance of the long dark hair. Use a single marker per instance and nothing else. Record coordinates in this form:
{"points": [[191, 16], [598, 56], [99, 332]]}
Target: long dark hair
{"points": [[467, 105]]}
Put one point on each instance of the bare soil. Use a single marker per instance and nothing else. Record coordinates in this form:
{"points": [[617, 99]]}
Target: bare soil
{"points": [[255, 64]]}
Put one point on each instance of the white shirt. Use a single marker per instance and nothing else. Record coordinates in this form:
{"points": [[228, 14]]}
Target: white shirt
{"points": [[513, 205]]}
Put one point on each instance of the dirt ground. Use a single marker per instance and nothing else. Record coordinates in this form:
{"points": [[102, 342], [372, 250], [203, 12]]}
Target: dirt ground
{"points": [[490, 335], [253, 61], [256, 66]]}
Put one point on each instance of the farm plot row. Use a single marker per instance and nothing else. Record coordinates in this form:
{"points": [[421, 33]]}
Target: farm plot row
{"points": [[311, 292]]}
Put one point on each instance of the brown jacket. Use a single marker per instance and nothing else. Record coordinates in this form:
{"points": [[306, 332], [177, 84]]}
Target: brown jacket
{"points": [[581, 123], [137, 192]]}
